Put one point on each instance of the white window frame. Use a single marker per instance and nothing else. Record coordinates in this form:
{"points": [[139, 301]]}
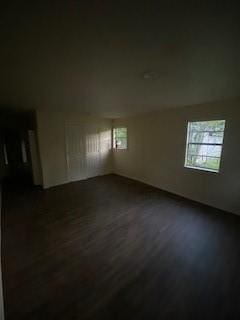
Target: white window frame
{"points": [[114, 139], [196, 143]]}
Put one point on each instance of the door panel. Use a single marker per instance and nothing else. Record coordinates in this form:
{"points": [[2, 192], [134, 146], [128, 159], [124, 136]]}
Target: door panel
{"points": [[92, 152], [76, 152], [83, 151]]}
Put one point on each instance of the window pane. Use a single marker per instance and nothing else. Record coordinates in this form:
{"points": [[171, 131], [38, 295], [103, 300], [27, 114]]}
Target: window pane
{"points": [[215, 125], [205, 150], [204, 144], [121, 132], [206, 137], [193, 149], [121, 143], [203, 162], [120, 138]]}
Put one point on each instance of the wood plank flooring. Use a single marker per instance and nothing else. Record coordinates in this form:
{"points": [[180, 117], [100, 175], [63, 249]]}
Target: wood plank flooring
{"points": [[114, 248]]}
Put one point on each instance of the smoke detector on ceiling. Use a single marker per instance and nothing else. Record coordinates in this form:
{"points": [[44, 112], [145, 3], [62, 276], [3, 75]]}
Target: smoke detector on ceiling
{"points": [[150, 75]]}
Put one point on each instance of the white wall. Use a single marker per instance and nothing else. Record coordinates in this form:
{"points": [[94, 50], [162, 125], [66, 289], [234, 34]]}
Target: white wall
{"points": [[156, 151], [52, 143]]}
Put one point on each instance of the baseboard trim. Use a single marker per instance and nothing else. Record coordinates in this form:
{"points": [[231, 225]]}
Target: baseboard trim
{"points": [[152, 185], [176, 194], [49, 186]]}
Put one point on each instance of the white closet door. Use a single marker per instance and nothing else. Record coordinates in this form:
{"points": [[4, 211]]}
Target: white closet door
{"points": [[93, 151], [76, 152], [83, 151]]}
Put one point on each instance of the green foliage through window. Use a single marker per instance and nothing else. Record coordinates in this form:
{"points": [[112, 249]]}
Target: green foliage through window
{"points": [[120, 138], [204, 144]]}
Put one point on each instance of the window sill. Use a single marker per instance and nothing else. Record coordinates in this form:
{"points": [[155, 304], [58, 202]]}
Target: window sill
{"points": [[202, 169]]}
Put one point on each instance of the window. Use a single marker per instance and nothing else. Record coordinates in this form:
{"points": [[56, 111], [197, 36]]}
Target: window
{"points": [[120, 138], [204, 145]]}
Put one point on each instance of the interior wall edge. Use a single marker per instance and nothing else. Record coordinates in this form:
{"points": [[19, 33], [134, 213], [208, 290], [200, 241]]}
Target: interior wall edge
{"points": [[174, 193]]}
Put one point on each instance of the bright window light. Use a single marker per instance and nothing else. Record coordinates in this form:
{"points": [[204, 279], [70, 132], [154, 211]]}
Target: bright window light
{"points": [[120, 138], [204, 145]]}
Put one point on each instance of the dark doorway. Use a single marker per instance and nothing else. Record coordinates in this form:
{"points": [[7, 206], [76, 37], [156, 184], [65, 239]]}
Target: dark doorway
{"points": [[14, 144]]}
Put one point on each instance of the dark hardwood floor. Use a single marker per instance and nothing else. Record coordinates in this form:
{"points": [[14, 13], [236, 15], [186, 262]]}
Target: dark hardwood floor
{"points": [[113, 248]]}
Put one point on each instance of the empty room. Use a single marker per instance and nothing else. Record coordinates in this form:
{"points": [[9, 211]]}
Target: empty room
{"points": [[119, 160]]}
